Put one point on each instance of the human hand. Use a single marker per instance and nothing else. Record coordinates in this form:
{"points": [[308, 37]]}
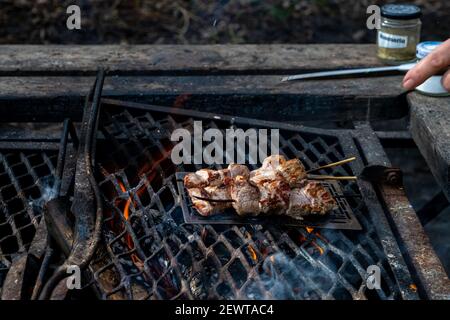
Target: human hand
{"points": [[432, 64]]}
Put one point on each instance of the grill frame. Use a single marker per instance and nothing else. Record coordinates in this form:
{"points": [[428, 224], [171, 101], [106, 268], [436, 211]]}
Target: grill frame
{"points": [[347, 141], [389, 227]]}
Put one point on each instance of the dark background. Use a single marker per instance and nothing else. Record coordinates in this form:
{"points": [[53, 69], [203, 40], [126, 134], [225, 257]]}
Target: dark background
{"points": [[192, 21]]}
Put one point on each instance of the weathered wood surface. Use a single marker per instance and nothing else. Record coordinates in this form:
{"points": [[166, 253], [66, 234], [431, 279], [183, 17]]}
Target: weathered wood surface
{"points": [[185, 59], [251, 96], [236, 79], [430, 128]]}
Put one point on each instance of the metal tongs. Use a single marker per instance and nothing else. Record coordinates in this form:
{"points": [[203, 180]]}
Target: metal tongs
{"points": [[350, 72]]}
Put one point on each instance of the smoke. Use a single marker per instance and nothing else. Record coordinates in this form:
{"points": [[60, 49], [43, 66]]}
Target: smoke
{"points": [[284, 277], [49, 191], [277, 270]]}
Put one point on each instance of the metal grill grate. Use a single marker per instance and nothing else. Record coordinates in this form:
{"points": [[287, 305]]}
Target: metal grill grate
{"points": [[151, 253], [25, 178]]}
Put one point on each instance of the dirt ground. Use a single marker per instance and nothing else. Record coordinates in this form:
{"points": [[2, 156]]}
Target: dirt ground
{"points": [[203, 21]]}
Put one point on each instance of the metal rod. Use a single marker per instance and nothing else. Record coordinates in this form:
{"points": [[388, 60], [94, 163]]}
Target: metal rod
{"points": [[334, 164], [42, 271], [314, 177], [87, 204], [214, 200], [350, 72], [62, 155]]}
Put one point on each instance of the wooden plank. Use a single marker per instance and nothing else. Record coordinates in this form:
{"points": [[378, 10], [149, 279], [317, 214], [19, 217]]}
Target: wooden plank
{"points": [[430, 129], [183, 59], [344, 99]]}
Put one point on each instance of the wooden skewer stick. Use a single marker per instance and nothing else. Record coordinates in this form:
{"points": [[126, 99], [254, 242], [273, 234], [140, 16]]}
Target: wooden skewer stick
{"points": [[334, 164], [317, 177], [214, 200]]}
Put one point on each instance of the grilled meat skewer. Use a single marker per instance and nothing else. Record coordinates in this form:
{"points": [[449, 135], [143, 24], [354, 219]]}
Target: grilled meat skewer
{"points": [[274, 191], [278, 187]]}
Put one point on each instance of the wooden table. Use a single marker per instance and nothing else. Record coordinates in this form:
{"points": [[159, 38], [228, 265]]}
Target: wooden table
{"points": [[241, 80]]}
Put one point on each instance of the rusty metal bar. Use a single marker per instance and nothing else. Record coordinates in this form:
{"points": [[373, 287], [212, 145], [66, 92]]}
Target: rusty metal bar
{"points": [[423, 260]]}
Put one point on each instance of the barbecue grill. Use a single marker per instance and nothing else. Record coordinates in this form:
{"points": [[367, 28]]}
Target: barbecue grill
{"points": [[117, 162]]}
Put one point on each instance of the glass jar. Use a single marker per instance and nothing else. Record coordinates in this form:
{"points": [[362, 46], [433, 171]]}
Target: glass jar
{"points": [[433, 85], [399, 33]]}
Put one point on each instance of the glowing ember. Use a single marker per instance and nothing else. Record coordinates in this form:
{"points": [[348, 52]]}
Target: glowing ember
{"points": [[252, 253], [319, 248], [126, 210], [302, 238], [309, 229], [126, 214], [413, 287]]}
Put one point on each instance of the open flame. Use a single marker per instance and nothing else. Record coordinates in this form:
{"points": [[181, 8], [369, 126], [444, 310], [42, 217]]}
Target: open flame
{"points": [[319, 248], [313, 242], [126, 210], [309, 229], [252, 252], [147, 173], [126, 214]]}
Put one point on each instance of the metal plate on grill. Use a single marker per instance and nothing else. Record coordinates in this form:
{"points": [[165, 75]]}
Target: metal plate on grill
{"points": [[340, 218]]}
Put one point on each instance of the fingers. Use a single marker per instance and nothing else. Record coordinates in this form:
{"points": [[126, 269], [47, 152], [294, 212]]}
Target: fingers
{"points": [[432, 64], [446, 80]]}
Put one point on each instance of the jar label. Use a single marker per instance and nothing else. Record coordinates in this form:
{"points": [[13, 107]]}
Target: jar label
{"points": [[393, 41]]}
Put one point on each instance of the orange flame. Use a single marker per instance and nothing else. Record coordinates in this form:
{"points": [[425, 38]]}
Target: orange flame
{"points": [[303, 239], [252, 253], [126, 214], [126, 210], [147, 170], [319, 248], [413, 287]]}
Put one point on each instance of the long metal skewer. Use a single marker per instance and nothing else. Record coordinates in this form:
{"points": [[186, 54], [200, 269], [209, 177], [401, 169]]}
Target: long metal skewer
{"points": [[314, 177], [214, 200]]}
